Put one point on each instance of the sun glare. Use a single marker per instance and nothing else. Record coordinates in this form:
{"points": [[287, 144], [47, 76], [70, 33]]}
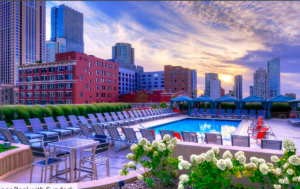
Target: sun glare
{"points": [[226, 78]]}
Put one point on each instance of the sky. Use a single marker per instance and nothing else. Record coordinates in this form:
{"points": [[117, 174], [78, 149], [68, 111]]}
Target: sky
{"points": [[224, 37]]}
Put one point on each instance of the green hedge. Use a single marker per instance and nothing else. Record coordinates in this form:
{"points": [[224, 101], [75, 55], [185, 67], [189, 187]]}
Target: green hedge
{"points": [[9, 113]]}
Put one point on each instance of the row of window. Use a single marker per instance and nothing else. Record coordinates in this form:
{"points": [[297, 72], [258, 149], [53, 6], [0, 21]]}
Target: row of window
{"points": [[130, 75], [44, 70], [175, 84], [102, 95], [102, 72], [44, 78], [104, 65], [43, 102], [155, 75], [109, 81], [46, 94], [45, 86]]}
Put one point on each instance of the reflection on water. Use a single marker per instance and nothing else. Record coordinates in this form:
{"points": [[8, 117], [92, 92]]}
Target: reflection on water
{"points": [[226, 128]]}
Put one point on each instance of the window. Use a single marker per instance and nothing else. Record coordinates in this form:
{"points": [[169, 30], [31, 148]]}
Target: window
{"points": [[102, 87], [81, 94], [44, 86], [115, 81], [101, 64], [97, 87], [51, 77], [44, 94], [22, 102], [29, 102], [97, 79], [90, 81], [59, 102], [36, 70], [96, 95], [51, 86], [22, 72], [51, 94], [60, 94], [22, 94], [36, 94], [90, 97], [36, 87], [43, 102], [90, 64], [29, 78], [22, 79], [68, 85], [29, 94], [97, 72], [104, 65], [86, 86], [51, 102], [22, 87], [80, 77], [68, 94], [96, 63], [68, 68], [102, 80], [90, 73], [29, 71], [51, 69], [60, 86], [29, 87], [182, 72], [60, 77], [68, 76], [90, 89], [115, 75], [85, 70], [114, 67], [102, 95], [60, 69], [44, 70]]}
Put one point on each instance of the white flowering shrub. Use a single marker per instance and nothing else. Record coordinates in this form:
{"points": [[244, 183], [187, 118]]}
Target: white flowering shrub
{"points": [[159, 167]]}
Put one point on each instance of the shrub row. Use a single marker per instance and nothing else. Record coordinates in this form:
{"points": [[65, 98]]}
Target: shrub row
{"points": [[9, 113]]}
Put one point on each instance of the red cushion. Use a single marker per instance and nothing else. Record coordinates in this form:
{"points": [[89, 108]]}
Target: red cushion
{"points": [[177, 135]]}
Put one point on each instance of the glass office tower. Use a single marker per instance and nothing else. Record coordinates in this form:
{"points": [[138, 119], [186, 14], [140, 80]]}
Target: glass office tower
{"points": [[274, 77], [67, 23]]}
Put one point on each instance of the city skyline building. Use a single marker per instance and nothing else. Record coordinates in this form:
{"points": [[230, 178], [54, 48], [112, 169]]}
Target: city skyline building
{"points": [[238, 87], [222, 92], [251, 90], [291, 95], [23, 26], [273, 78], [123, 51], [67, 23], [150, 80], [53, 48], [215, 89], [260, 81], [208, 78], [194, 84]]}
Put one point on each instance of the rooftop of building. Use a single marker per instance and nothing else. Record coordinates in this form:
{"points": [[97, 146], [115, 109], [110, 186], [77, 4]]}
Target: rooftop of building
{"points": [[48, 64]]}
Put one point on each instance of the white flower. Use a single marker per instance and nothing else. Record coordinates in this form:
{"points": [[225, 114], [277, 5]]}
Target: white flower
{"points": [[173, 141], [286, 180], [264, 169], [129, 156], [167, 137], [131, 164], [227, 154], [171, 147], [241, 159], [261, 161], [215, 150], [295, 179], [221, 164], [250, 165], [270, 165], [239, 153], [209, 156], [294, 160], [278, 171], [140, 177], [199, 159], [228, 163], [121, 173], [125, 165], [155, 143], [281, 181], [180, 186], [142, 141], [290, 171], [273, 171], [147, 148], [184, 178], [133, 147], [274, 159], [277, 186], [254, 160], [215, 160], [184, 165], [192, 158], [162, 147], [286, 165], [180, 158], [288, 145]]}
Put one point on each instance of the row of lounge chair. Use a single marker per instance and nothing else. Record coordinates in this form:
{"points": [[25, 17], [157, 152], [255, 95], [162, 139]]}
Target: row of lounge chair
{"points": [[295, 120], [237, 113]]}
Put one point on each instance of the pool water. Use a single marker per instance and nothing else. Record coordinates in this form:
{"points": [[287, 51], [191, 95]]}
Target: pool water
{"points": [[201, 126]]}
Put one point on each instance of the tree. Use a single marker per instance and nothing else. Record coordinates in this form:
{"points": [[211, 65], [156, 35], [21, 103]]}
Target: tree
{"points": [[232, 95], [141, 97], [39, 61]]}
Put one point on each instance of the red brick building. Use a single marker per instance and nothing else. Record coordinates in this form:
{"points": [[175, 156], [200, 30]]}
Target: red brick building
{"points": [[74, 78], [149, 96]]}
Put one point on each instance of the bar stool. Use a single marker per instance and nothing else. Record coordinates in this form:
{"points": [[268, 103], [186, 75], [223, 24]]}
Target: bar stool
{"points": [[95, 160]]}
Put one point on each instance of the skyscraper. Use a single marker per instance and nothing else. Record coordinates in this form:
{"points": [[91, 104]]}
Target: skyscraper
{"points": [[251, 90], [274, 77], [123, 51], [291, 95], [67, 23], [53, 48], [22, 37], [208, 78], [260, 81], [238, 87], [215, 89]]}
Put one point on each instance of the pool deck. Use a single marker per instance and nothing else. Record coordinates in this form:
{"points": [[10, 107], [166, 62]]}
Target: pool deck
{"points": [[281, 128]]}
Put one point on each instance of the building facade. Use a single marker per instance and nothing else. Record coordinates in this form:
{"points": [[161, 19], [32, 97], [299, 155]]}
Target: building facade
{"points": [[150, 80], [260, 81], [22, 34], [291, 95], [179, 79], [53, 48], [75, 78], [123, 51], [251, 90], [194, 84], [8, 94], [222, 92], [208, 78], [238, 87], [215, 89], [273, 78], [67, 23]]}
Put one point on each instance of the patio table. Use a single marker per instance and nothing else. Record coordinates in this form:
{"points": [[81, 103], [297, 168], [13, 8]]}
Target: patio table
{"points": [[73, 145]]}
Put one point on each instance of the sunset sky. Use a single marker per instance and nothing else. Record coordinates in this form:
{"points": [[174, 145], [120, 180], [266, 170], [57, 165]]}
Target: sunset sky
{"points": [[228, 38]]}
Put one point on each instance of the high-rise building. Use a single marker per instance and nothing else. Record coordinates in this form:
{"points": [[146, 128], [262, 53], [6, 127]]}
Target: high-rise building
{"points": [[67, 23], [22, 37], [194, 84], [273, 78], [231, 92], [251, 90], [260, 81], [123, 51], [215, 89], [52, 48], [238, 87], [208, 78], [291, 95], [150, 80], [222, 92], [179, 79]]}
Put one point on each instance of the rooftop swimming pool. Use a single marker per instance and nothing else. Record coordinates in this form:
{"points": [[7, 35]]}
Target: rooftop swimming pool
{"points": [[201, 126]]}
